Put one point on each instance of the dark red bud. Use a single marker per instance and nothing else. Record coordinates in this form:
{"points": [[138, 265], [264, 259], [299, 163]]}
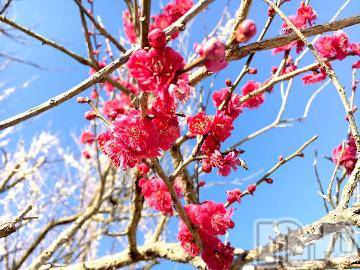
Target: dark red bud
{"points": [[90, 115], [269, 180], [251, 189]]}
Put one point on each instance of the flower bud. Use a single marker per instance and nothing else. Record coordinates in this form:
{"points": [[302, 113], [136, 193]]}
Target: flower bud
{"points": [[252, 71], [251, 189], [206, 167], [269, 180], [213, 49], [82, 100], [90, 115], [245, 31], [228, 83], [157, 38], [271, 11], [201, 183], [86, 154]]}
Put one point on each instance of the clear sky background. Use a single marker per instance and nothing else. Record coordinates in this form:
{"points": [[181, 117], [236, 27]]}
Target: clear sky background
{"points": [[294, 192]]}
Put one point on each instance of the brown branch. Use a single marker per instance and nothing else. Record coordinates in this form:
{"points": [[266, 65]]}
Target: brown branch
{"points": [[45, 41], [243, 14], [41, 237], [101, 29], [242, 51], [59, 99], [331, 263], [169, 251], [9, 227], [307, 234], [329, 71], [55, 101], [177, 203], [136, 208], [5, 7], [144, 23]]}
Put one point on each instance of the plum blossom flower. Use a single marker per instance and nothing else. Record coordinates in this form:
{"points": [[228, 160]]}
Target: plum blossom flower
{"points": [[210, 145], [221, 126], [199, 124], [253, 102], [346, 157], [163, 109], [181, 90], [154, 70], [233, 196], [87, 137], [211, 219], [316, 76], [233, 108], [157, 38], [336, 45], [157, 194], [223, 163], [305, 16], [129, 139], [170, 13], [120, 104], [129, 27], [217, 255]]}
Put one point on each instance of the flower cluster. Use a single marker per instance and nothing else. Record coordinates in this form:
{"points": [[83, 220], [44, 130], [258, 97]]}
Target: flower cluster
{"points": [[157, 194], [129, 139], [256, 100], [217, 129], [211, 220], [155, 69], [233, 108], [345, 155], [304, 17], [336, 46], [223, 162]]}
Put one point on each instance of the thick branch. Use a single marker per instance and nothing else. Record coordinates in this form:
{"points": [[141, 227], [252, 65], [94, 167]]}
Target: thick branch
{"points": [[45, 41], [59, 99], [241, 52]]}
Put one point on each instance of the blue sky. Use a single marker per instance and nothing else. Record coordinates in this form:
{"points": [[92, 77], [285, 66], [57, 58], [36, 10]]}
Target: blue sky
{"points": [[294, 192]]}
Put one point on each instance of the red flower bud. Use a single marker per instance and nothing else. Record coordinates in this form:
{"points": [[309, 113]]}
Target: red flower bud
{"points": [[280, 158], [157, 38], [301, 155], [252, 71], [86, 154], [201, 183], [251, 189], [228, 82], [269, 180], [82, 100], [213, 49], [271, 11], [206, 167], [90, 115], [245, 31]]}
